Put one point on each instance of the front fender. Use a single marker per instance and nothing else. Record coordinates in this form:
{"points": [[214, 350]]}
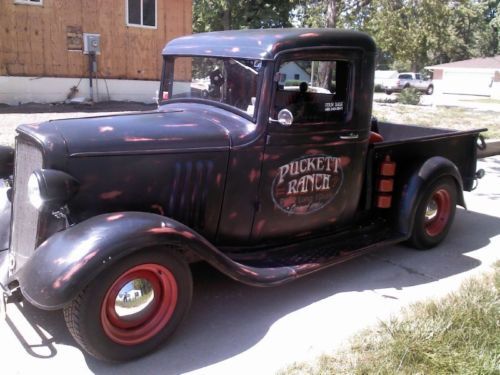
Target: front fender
{"points": [[425, 174], [67, 261]]}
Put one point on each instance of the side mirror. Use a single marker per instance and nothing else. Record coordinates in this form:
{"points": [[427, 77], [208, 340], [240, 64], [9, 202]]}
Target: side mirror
{"points": [[285, 118]]}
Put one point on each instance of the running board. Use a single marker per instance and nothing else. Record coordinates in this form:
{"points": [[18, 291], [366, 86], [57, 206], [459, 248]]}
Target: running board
{"points": [[277, 266]]}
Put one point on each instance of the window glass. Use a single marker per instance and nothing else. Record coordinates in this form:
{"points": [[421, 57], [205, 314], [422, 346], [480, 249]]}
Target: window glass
{"points": [[149, 9], [134, 12], [226, 80], [141, 12], [405, 76], [318, 92]]}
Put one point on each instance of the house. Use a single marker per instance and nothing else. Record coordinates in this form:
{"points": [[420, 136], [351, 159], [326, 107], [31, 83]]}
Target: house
{"points": [[479, 76], [43, 44], [291, 71]]}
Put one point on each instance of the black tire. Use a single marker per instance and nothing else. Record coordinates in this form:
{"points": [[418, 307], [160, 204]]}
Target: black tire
{"points": [[430, 90], [388, 92], [435, 213], [100, 329]]}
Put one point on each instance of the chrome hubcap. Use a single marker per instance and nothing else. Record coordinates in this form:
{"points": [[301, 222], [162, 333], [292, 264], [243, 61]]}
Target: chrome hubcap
{"points": [[431, 210], [134, 299]]}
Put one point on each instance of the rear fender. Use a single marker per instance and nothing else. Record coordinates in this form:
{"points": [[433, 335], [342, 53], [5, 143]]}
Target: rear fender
{"points": [[66, 262], [434, 168]]}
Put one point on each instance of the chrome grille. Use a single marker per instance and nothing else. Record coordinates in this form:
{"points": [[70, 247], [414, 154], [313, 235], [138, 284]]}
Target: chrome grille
{"points": [[25, 217]]}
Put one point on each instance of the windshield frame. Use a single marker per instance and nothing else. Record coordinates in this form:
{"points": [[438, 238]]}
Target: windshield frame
{"points": [[167, 81]]}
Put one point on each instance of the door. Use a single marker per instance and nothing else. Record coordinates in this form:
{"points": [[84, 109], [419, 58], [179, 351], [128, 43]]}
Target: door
{"points": [[312, 170]]}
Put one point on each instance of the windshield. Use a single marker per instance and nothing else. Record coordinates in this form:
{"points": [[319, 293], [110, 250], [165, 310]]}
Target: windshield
{"points": [[225, 80]]}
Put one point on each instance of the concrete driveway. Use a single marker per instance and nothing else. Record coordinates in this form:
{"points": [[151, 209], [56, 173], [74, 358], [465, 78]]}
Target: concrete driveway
{"points": [[236, 329]]}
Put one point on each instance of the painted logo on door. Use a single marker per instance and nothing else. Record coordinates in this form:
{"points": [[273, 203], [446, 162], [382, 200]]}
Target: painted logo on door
{"points": [[307, 184]]}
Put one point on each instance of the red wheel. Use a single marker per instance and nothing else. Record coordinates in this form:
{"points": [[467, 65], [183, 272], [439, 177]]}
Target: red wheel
{"points": [[434, 214], [437, 212], [132, 307], [129, 326]]}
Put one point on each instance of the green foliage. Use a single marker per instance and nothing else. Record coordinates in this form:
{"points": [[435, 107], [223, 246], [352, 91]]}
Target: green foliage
{"points": [[214, 15], [459, 334], [409, 96], [410, 34]]}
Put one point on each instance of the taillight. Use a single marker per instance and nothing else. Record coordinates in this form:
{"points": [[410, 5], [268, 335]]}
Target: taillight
{"points": [[165, 95]]}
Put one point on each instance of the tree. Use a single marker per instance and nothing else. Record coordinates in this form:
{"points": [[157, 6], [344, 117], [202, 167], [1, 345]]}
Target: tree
{"points": [[213, 15]]}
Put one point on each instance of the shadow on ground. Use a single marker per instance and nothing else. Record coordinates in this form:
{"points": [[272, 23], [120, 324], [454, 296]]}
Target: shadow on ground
{"points": [[227, 318]]}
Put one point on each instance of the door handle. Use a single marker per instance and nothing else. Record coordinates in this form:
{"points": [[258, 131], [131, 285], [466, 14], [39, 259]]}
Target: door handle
{"points": [[350, 136]]}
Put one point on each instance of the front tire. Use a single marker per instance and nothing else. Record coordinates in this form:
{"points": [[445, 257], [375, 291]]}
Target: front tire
{"points": [[435, 213], [430, 90], [133, 307]]}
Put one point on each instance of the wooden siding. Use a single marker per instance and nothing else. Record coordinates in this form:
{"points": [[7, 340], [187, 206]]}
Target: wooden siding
{"points": [[34, 40]]}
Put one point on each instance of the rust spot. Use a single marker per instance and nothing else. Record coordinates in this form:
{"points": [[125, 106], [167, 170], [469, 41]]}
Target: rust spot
{"points": [[138, 139], [187, 234], [105, 129], [162, 230], [318, 138], [308, 35], [74, 269], [111, 194], [114, 217], [218, 179], [260, 226], [233, 215], [253, 175], [180, 125]]}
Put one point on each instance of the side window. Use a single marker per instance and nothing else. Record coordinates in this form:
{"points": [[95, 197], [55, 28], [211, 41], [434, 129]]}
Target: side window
{"points": [[317, 93], [141, 13]]}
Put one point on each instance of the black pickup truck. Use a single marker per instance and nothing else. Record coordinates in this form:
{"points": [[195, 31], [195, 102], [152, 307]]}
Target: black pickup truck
{"points": [[262, 159]]}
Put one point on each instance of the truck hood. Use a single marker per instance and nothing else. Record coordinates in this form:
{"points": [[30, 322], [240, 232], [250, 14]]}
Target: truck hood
{"points": [[156, 131]]}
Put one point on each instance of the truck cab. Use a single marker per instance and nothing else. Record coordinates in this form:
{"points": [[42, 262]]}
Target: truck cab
{"points": [[262, 160]]}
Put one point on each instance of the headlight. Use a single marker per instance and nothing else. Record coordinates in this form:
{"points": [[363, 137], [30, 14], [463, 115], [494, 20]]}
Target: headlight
{"points": [[49, 189], [34, 192]]}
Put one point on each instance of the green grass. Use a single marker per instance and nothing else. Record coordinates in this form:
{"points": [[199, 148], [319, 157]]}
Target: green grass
{"points": [[441, 117], [459, 334], [483, 100]]}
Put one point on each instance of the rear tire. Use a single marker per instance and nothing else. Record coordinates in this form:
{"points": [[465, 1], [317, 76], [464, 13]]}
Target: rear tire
{"points": [[435, 213], [430, 90], [110, 326]]}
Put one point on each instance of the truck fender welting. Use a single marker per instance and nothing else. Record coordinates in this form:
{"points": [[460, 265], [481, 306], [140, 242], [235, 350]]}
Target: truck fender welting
{"points": [[66, 262], [428, 172]]}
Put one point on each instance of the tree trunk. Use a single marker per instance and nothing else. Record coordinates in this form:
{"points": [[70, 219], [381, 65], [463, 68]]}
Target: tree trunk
{"points": [[331, 13]]}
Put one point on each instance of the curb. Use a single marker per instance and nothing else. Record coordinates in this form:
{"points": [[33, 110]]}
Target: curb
{"points": [[492, 148]]}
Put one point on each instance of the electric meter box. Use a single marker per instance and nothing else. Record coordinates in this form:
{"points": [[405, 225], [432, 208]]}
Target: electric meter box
{"points": [[91, 43]]}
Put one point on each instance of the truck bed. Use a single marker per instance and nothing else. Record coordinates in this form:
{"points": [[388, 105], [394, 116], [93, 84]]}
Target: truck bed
{"points": [[410, 144]]}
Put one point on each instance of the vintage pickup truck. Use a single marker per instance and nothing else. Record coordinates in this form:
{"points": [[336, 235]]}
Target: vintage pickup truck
{"points": [[262, 159]]}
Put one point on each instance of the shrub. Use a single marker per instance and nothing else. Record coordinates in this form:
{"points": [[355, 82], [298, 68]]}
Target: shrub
{"points": [[409, 96]]}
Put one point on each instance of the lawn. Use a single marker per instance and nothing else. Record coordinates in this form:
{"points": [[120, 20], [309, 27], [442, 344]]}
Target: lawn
{"points": [[459, 334], [442, 117]]}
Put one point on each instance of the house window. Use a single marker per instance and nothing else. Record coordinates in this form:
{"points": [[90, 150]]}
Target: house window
{"points": [[29, 2], [141, 13]]}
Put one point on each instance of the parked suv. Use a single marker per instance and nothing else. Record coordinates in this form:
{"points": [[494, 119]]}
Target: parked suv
{"points": [[407, 80]]}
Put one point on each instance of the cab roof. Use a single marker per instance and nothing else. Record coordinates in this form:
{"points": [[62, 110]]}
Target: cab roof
{"points": [[265, 44]]}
